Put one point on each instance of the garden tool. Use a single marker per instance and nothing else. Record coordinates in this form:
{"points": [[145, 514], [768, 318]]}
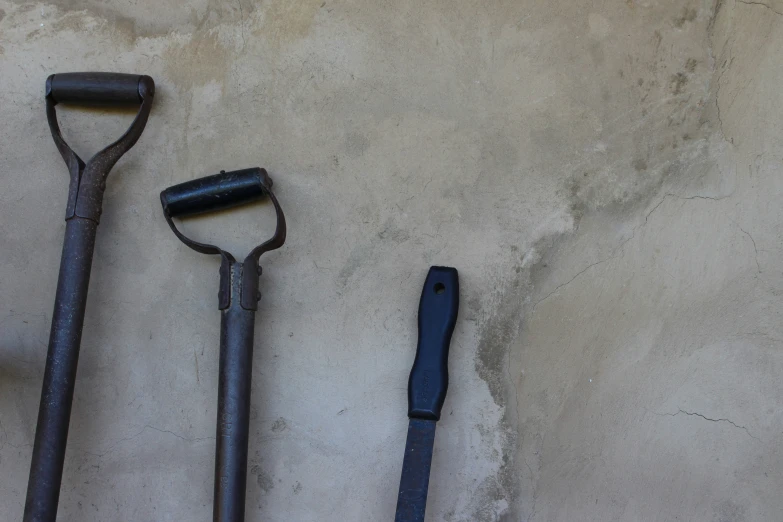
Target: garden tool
{"points": [[82, 215]]}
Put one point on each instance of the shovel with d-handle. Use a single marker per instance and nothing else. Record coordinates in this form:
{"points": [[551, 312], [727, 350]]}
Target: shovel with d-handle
{"points": [[238, 300], [427, 385], [85, 199]]}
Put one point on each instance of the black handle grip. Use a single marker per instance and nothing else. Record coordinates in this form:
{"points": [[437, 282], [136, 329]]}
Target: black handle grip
{"points": [[99, 88], [429, 378], [217, 192]]}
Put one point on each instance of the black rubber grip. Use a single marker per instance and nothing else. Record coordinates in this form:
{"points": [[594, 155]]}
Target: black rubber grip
{"points": [[429, 378], [217, 192], [99, 88]]}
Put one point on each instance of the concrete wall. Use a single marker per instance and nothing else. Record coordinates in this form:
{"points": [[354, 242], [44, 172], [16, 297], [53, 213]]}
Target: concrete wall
{"points": [[605, 175]]}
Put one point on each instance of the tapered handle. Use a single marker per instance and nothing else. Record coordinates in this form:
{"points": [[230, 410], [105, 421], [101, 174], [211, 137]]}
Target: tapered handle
{"points": [[429, 377], [99, 88], [217, 192]]}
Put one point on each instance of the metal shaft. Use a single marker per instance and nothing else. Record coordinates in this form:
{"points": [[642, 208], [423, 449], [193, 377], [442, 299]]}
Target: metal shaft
{"points": [[415, 479], [233, 423], [54, 413]]}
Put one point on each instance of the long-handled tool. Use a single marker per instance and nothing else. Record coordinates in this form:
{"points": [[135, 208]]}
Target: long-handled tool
{"points": [[427, 385], [238, 300], [85, 198]]}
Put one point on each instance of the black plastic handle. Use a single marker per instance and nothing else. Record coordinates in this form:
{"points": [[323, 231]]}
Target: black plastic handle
{"points": [[99, 88], [429, 378], [216, 192]]}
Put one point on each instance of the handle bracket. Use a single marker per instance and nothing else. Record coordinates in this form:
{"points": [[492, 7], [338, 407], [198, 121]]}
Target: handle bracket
{"points": [[88, 180]]}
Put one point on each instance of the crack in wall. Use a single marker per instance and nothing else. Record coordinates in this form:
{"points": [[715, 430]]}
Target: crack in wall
{"points": [[755, 248], [114, 445], [633, 235], [696, 414], [762, 4]]}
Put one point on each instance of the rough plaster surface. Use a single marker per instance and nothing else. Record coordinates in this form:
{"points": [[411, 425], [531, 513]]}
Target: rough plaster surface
{"points": [[605, 175]]}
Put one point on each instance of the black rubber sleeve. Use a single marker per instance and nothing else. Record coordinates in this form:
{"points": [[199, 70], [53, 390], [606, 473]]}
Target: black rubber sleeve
{"points": [[429, 378], [217, 192], [99, 88]]}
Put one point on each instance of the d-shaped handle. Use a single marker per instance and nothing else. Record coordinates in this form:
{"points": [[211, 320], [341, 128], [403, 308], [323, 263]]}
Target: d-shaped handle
{"points": [[88, 180], [220, 191]]}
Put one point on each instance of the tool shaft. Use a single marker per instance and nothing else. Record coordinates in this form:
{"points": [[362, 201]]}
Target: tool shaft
{"points": [[415, 479], [233, 422], [54, 413]]}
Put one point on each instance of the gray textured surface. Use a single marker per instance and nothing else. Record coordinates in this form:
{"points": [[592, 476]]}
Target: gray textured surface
{"points": [[605, 175]]}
